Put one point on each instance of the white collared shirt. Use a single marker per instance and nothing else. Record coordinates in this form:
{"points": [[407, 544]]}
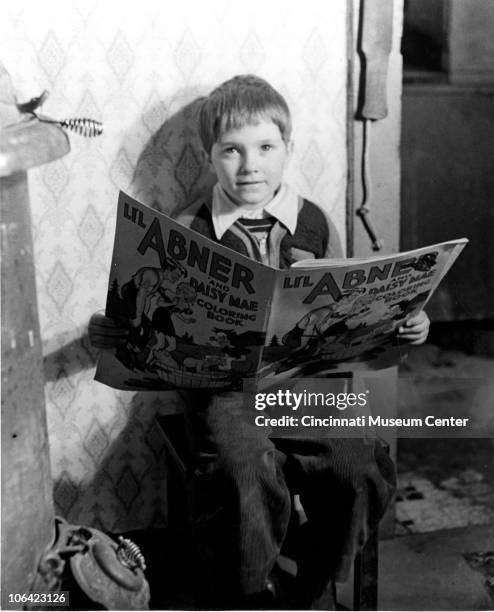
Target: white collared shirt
{"points": [[283, 207]]}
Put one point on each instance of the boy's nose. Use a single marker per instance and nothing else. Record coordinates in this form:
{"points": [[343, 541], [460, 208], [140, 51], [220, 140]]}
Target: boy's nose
{"points": [[249, 163]]}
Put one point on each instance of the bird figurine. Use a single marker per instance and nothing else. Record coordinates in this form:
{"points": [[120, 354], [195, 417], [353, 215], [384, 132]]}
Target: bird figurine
{"points": [[82, 126]]}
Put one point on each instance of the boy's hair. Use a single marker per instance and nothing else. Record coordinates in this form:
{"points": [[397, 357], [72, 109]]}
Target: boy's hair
{"points": [[238, 102]]}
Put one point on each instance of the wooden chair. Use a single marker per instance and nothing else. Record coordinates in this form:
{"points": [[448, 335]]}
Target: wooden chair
{"points": [[365, 571]]}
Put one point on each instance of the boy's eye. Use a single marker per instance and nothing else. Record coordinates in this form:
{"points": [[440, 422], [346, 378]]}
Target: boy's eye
{"points": [[267, 147], [230, 150]]}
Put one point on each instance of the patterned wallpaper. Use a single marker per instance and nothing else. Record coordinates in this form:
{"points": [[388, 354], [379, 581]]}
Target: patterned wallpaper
{"points": [[139, 70]]}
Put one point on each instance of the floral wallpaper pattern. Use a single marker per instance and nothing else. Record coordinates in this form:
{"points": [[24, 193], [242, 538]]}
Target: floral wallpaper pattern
{"points": [[139, 68]]}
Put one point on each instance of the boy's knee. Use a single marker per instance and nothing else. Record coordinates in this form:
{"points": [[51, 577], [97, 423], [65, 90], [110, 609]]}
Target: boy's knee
{"points": [[358, 466], [247, 459]]}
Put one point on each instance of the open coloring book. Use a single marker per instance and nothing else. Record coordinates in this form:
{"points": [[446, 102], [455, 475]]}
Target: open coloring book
{"points": [[203, 316]]}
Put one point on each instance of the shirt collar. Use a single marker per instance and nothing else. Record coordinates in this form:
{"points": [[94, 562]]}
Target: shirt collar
{"points": [[283, 207]]}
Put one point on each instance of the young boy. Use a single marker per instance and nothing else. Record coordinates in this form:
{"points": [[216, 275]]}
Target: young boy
{"points": [[244, 479]]}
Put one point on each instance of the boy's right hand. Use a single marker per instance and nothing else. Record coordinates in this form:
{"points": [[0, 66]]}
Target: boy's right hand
{"points": [[106, 333]]}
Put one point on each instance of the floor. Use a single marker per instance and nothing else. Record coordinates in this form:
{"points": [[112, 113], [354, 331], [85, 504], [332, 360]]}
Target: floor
{"points": [[446, 482], [449, 569], [442, 555]]}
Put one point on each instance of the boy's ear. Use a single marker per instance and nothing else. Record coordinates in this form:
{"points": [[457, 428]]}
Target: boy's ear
{"points": [[289, 149]]}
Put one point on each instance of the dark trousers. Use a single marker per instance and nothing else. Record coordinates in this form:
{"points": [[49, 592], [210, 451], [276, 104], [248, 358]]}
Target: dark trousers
{"points": [[242, 496]]}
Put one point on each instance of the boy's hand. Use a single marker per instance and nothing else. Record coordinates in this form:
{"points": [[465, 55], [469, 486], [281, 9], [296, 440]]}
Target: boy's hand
{"points": [[105, 332], [415, 329]]}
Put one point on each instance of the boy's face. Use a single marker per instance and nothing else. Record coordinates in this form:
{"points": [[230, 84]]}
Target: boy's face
{"points": [[250, 161]]}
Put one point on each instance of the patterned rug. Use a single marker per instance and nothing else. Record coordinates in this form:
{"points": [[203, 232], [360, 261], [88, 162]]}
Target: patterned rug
{"points": [[457, 501]]}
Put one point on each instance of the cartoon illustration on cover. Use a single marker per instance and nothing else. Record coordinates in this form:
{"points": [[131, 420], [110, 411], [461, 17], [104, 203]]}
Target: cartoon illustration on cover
{"points": [[356, 324], [155, 303]]}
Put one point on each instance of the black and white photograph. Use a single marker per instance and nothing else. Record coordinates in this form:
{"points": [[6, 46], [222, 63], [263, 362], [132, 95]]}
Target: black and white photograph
{"points": [[247, 305]]}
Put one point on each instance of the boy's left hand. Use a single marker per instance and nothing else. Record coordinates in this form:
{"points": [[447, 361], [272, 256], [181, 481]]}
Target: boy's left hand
{"points": [[415, 329]]}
